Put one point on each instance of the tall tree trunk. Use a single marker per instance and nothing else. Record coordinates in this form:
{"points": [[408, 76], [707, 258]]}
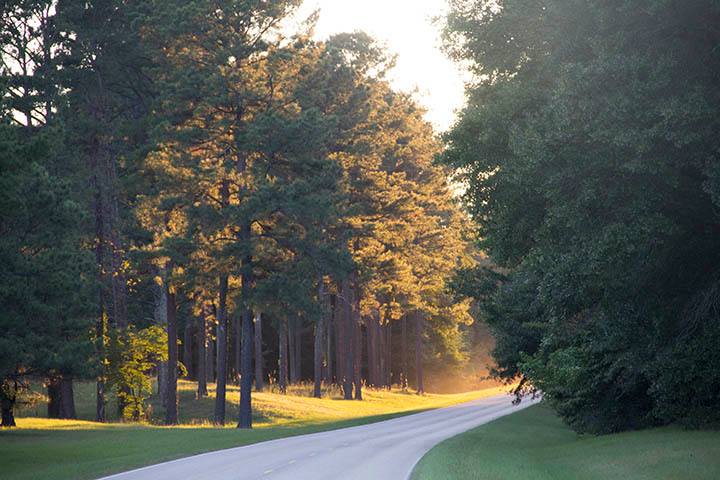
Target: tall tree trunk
{"points": [[202, 347], [388, 356], [339, 327], [377, 352], [210, 360], [222, 350], [357, 345], [382, 370], [356, 340], [8, 415], [238, 347], [246, 353], [162, 381], [53, 393], [100, 320], [298, 350], [259, 367], [418, 353], [403, 354], [117, 278], [7, 407], [160, 316], [246, 371], [108, 248], [100, 397], [292, 361], [370, 334], [187, 349], [67, 398], [283, 355], [318, 347], [348, 341], [328, 342], [171, 407]]}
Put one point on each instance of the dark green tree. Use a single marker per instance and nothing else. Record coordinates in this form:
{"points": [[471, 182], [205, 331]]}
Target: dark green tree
{"points": [[45, 300], [589, 151]]}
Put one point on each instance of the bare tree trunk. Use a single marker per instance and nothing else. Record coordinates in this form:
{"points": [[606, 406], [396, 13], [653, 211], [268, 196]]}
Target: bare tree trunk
{"points": [[259, 367], [418, 353], [283, 355], [53, 393], [67, 398], [246, 370], [328, 374], [339, 327], [349, 341], [292, 363], [8, 415], [118, 284], [160, 316], [246, 355], [388, 356], [357, 340], [318, 347], [238, 347], [371, 358], [319, 343], [104, 169], [100, 393], [403, 354], [187, 349], [117, 278], [298, 350], [210, 362], [202, 347], [8, 398], [382, 360], [100, 321], [378, 363], [357, 345], [171, 407], [162, 380], [222, 350]]}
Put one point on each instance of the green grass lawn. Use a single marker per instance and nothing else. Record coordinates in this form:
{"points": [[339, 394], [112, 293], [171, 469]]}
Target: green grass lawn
{"points": [[535, 444], [41, 448]]}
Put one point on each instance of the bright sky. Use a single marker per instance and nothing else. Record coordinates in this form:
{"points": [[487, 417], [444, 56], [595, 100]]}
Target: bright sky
{"points": [[405, 26]]}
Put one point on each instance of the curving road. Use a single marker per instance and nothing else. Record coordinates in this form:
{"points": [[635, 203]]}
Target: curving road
{"points": [[379, 451]]}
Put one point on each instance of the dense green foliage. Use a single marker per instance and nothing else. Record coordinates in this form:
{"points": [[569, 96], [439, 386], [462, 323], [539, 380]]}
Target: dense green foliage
{"points": [[535, 445], [220, 169], [589, 148], [45, 294], [131, 359]]}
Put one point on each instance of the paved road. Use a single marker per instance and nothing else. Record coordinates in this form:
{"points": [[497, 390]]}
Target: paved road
{"points": [[380, 451]]}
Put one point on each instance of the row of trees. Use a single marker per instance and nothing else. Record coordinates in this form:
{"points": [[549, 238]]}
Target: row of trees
{"points": [[589, 146], [189, 166]]}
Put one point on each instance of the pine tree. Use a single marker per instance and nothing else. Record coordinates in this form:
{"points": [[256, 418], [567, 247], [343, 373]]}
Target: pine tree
{"points": [[45, 298]]}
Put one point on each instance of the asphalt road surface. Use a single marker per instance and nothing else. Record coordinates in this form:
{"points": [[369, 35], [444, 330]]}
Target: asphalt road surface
{"points": [[379, 451]]}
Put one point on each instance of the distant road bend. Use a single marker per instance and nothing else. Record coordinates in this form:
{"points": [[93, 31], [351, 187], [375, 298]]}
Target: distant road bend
{"points": [[379, 451]]}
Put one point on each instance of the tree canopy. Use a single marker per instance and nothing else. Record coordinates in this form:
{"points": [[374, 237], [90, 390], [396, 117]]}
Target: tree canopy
{"points": [[177, 172], [589, 150]]}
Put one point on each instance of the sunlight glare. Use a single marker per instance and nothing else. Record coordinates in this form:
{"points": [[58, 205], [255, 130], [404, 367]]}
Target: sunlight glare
{"points": [[406, 27]]}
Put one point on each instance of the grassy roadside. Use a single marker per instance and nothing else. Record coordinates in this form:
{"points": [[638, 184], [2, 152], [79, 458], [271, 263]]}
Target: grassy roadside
{"points": [[534, 444], [41, 448]]}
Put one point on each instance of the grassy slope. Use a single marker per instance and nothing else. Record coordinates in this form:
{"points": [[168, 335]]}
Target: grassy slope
{"points": [[534, 444], [43, 448]]}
